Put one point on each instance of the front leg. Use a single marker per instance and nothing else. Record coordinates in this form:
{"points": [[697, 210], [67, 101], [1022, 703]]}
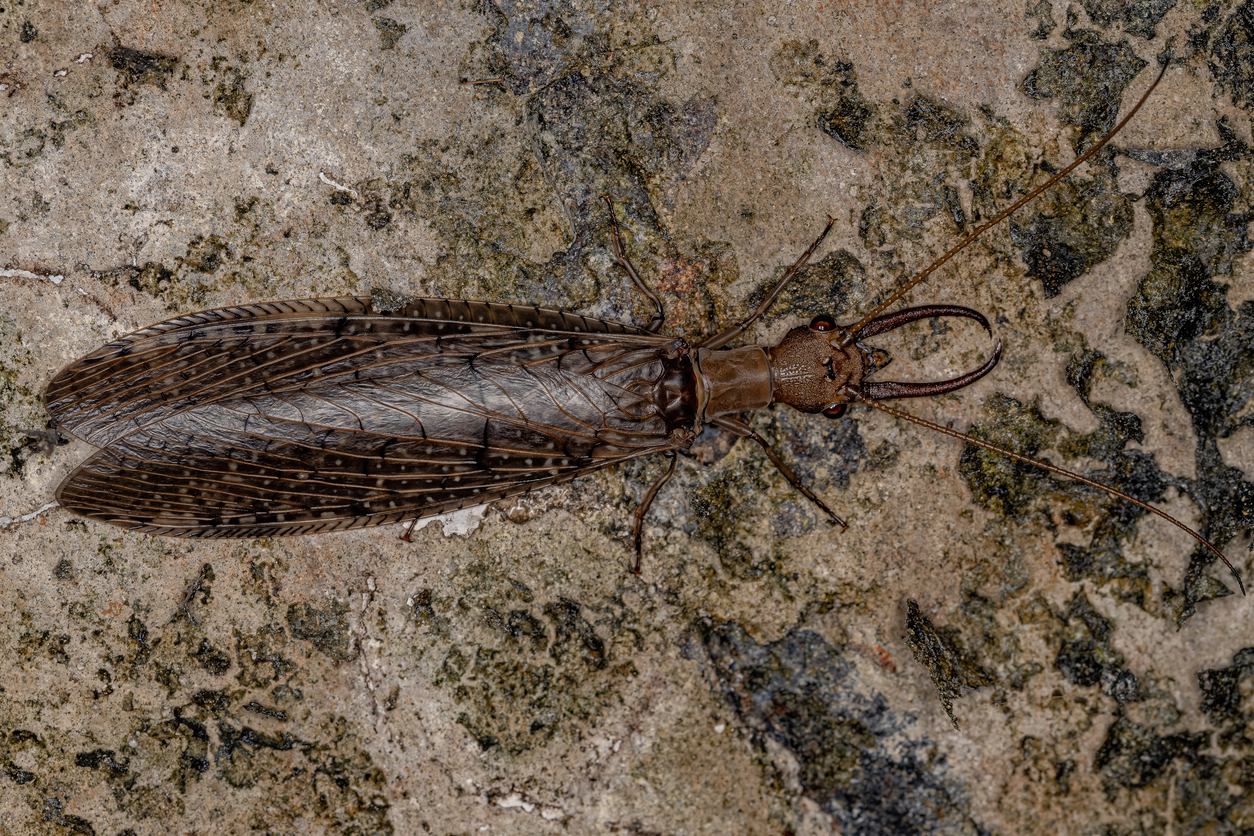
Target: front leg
{"points": [[620, 251], [743, 430]]}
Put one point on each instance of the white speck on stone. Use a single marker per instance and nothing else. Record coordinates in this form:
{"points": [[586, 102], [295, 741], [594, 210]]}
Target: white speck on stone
{"points": [[720, 728], [339, 187], [11, 520], [514, 800], [26, 274], [460, 522]]}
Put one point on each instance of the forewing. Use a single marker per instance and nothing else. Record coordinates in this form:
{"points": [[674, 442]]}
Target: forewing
{"points": [[231, 353], [344, 451]]}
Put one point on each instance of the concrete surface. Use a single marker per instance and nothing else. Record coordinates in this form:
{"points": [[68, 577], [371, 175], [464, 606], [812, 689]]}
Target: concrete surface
{"points": [[758, 676]]}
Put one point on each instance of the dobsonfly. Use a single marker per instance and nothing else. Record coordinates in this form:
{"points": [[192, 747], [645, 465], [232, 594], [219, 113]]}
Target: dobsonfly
{"points": [[317, 415]]}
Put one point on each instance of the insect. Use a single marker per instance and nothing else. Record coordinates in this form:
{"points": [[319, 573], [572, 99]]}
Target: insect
{"points": [[318, 415]]}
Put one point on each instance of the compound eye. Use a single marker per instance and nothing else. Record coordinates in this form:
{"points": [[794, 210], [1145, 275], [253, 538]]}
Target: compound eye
{"points": [[823, 322], [836, 411]]}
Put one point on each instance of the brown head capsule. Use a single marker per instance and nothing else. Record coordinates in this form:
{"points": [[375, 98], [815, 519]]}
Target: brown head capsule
{"points": [[821, 367]]}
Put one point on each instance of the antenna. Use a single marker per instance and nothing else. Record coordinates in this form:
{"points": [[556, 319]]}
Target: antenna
{"points": [[923, 422], [1018, 204]]}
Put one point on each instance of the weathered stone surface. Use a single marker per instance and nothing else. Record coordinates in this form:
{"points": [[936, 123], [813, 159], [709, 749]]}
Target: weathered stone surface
{"points": [[756, 677]]}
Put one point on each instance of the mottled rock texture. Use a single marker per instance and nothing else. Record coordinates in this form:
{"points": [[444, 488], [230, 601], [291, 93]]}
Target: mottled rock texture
{"points": [[159, 158]]}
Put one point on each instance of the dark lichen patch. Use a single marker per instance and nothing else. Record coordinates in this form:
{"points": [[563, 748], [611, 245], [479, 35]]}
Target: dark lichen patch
{"points": [[1137, 18], [927, 155], [1047, 774], [532, 44], [25, 149], [1181, 313], [591, 135], [853, 757], [167, 746], [841, 112], [511, 702], [1133, 755], [1088, 77], [1023, 492], [848, 121], [376, 215], [54, 812], [1086, 365], [1078, 224], [35, 644], [1223, 699], [1085, 656], [390, 32], [691, 127], [103, 759], [196, 596], [231, 99], [177, 292], [1114, 432], [25, 431], [327, 628], [951, 667], [29, 442], [835, 285], [936, 125], [264, 658], [18, 775], [215, 661], [573, 634], [424, 608], [586, 119], [1001, 484], [329, 779], [726, 511], [1231, 52], [527, 672], [1196, 237], [135, 67], [1042, 12], [206, 255], [1112, 521], [824, 452]]}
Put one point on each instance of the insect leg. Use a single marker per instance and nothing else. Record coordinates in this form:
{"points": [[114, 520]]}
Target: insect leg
{"points": [[410, 530], [723, 338], [644, 506], [655, 324], [743, 430]]}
